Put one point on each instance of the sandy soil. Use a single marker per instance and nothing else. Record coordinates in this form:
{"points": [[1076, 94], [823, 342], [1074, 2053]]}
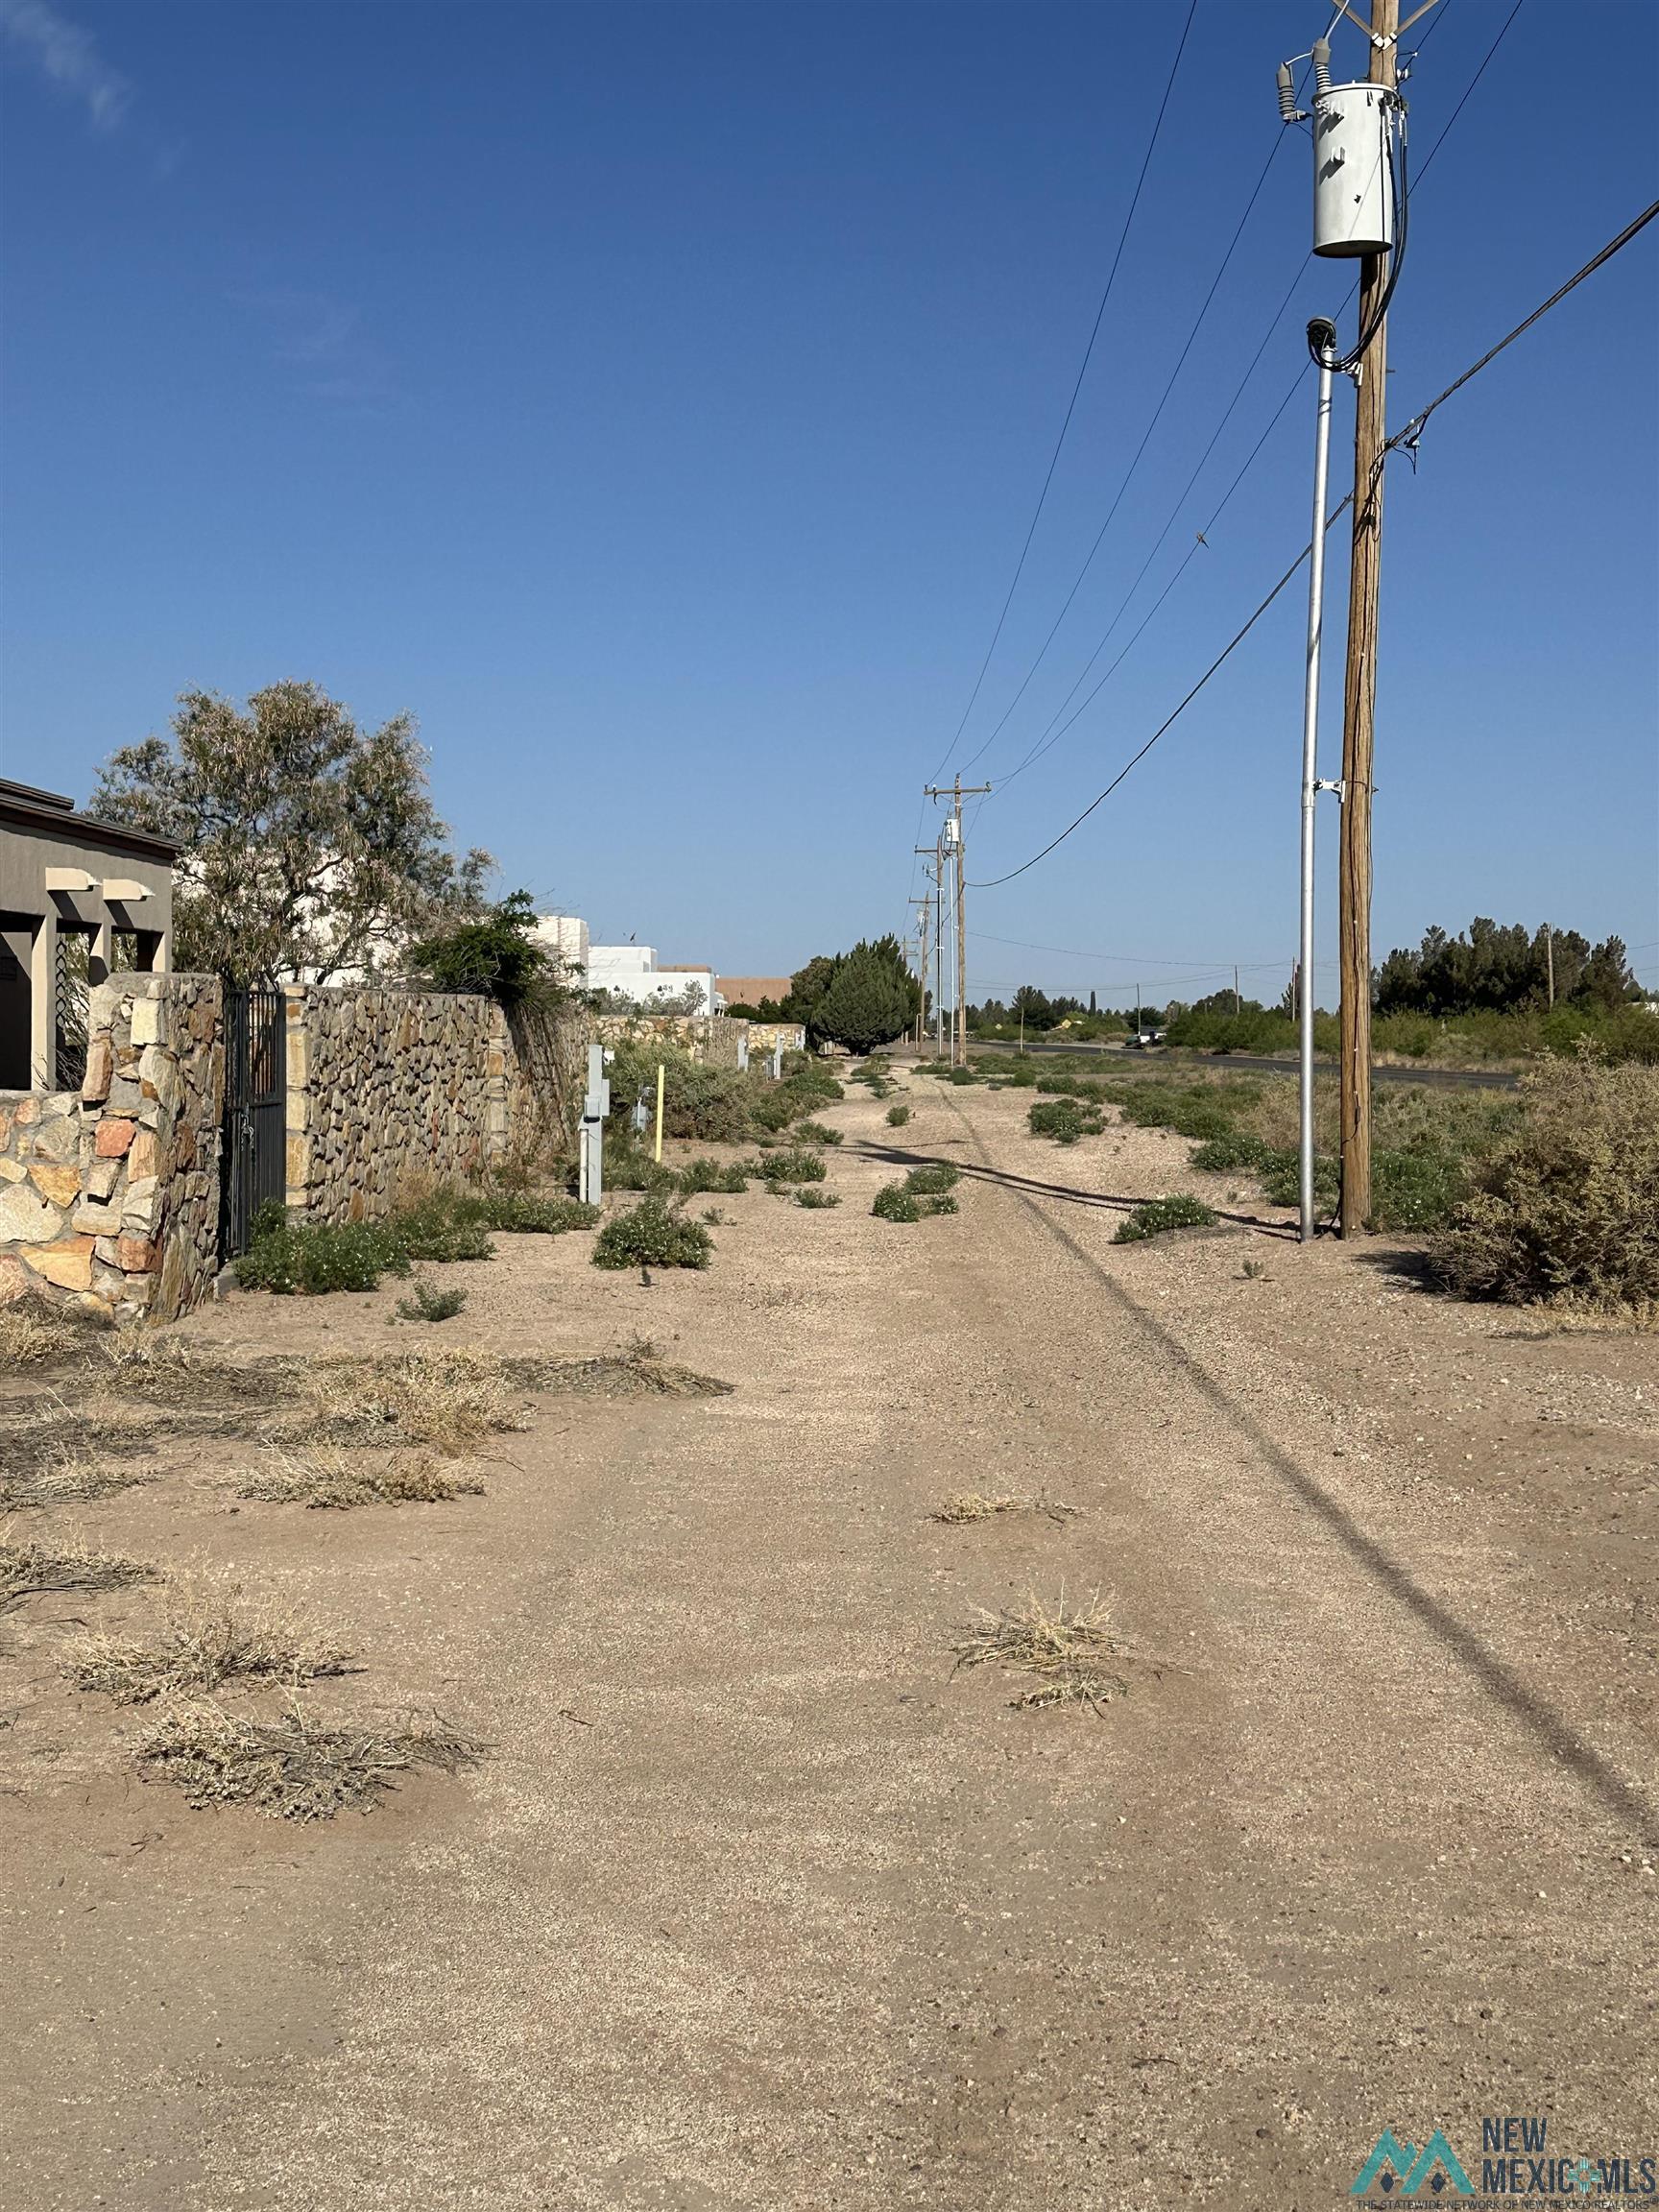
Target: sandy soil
{"points": [[756, 1904]]}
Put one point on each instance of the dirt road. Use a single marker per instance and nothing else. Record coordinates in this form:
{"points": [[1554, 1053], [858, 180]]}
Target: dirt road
{"points": [[756, 1904]]}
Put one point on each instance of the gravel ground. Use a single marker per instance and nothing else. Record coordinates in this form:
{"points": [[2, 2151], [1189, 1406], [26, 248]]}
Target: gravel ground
{"points": [[754, 1904]]}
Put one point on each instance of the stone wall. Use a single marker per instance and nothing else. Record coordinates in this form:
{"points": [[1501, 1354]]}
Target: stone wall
{"points": [[717, 1038], [386, 1086], [109, 1195]]}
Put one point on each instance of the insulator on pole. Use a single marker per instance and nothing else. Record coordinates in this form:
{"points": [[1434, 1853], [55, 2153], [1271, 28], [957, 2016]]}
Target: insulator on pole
{"points": [[1288, 93], [1321, 64]]}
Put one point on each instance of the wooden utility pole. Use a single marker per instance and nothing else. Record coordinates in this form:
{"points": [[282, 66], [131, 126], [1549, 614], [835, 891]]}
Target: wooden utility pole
{"points": [[1359, 695], [923, 907], [931, 869], [953, 834]]}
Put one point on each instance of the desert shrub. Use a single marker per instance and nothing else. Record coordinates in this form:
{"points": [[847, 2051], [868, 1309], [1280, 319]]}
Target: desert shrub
{"points": [[1235, 1149], [293, 1767], [314, 1258], [449, 1400], [1065, 1119], [210, 1635], [815, 1200], [34, 1333], [1069, 1087], [727, 1177], [652, 1234], [924, 1193], [1161, 1214], [710, 1105], [518, 1214], [443, 1225], [894, 1203], [793, 1165], [961, 1075], [431, 1303], [1566, 1207], [896, 1117], [1255, 1030], [817, 1132], [629, 1166]]}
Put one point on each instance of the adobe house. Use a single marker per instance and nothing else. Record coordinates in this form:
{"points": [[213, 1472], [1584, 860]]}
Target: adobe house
{"points": [[79, 901]]}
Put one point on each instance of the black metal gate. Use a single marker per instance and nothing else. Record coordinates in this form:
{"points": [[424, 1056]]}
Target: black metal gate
{"points": [[253, 1153]]}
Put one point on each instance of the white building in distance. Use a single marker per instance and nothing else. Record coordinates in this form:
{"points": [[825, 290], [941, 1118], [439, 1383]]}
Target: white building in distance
{"points": [[565, 936], [629, 972]]}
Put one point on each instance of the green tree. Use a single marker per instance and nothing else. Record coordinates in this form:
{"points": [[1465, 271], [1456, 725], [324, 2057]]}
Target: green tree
{"points": [[868, 1004], [497, 954], [309, 848]]}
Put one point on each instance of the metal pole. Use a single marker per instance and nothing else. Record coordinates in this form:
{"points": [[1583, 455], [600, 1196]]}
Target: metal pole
{"points": [[1322, 335], [939, 948]]}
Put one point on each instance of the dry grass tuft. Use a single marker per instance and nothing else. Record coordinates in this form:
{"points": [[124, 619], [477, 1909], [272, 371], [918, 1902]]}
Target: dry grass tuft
{"points": [[208, 1638], [294, 1768], [634, 1372], [968, 1506], [62, 1476], [48, 1570], [329, 1479], [34, 1333], [1064, 1647], [449, 1400]]}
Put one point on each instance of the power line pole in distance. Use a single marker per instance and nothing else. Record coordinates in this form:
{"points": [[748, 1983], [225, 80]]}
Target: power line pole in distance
{"points": [[952, 838]]}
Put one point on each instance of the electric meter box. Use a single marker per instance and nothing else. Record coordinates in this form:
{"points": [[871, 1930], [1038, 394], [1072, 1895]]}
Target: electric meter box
{"points": [[1353, 177]]}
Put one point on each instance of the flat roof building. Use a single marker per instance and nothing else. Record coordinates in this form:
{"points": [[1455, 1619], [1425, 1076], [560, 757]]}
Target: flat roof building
{"points": [[79, 901]]}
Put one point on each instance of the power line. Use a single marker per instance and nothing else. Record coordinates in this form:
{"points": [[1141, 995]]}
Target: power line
{"points": [[1276, 317], [1140, 450], [1071, 403], [1052, 735], [1125, 959], [1406, 438]]}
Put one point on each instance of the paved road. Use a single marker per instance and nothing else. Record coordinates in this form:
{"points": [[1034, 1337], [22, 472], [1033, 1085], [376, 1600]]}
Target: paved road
{"points": [[1116, 1059]]}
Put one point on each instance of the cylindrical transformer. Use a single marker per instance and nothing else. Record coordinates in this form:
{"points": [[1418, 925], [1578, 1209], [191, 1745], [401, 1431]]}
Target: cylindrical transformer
{"points": [[1353, 180]]}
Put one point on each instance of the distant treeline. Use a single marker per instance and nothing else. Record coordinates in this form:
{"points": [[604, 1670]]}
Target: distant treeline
{"points": [[1491, 969]]}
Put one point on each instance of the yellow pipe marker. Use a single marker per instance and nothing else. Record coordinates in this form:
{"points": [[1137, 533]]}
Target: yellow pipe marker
{"points": [[658, 1153]]}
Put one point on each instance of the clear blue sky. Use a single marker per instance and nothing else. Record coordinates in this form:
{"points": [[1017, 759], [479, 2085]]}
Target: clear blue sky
{"points": [[652, 400]]}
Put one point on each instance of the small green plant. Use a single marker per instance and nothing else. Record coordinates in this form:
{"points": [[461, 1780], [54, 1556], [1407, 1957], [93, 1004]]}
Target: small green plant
{"points": [[314, 1258], [652, 1234], [1161, 1214], [814, 1199], [516, 1214], [792, 1164], [1255, 1270], [1065, 1119], [431, 1303], [817, 1132], [715, 1217], [896, 1117], [924, 1193], [1220, 1154], [894, 1203], [727, 1178]]}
